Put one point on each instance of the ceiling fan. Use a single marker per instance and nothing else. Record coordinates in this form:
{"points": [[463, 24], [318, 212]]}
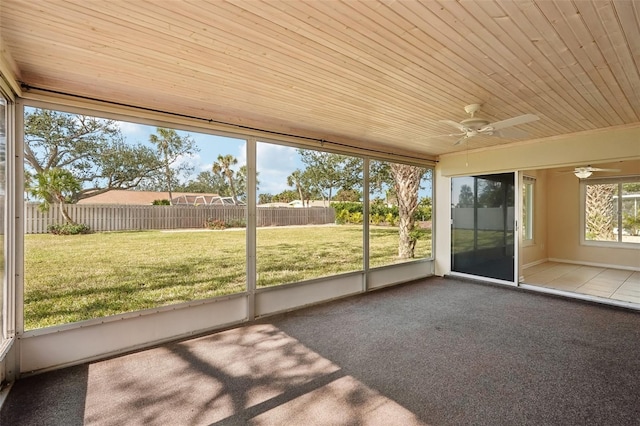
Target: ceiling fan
{"points": [[586, 171], [475, 126]]}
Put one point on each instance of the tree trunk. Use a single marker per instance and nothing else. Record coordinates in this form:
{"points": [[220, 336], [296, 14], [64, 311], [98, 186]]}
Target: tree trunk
{"points": [[407, 183], [168, 172], [234, 195], [65, 213]]}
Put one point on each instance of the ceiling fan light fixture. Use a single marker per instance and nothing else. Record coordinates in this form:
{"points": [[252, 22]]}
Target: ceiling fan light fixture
{"points": [[582, 174]]}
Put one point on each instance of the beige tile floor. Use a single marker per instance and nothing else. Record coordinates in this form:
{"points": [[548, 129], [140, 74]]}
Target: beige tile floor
{"points": [[610, 283]]}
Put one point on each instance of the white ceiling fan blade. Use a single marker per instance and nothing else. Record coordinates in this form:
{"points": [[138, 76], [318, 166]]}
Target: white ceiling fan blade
{"points": [[454, 124], [587, 169], [444, 136], [597, 169], [511, 133], [462, 139], [521, 119]]}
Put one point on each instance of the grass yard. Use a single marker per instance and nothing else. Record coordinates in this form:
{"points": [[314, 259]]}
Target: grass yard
{"points": [[74, 278], [463, 239]]}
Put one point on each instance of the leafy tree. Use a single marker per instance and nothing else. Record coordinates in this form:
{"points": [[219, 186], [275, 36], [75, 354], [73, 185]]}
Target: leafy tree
{"points": [[91, 149], [295, 179], [265, 198], [495, 193], [381, 181], [241, 182], [171, 148], [206, 183], [54, 186], [285, 196], [465, 198], [348, 195], [424, 210], [218, 183], [326, 172]]}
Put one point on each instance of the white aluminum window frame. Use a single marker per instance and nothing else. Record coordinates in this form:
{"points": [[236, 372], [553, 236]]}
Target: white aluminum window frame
{"points": [[620, 180], [528, 210]]}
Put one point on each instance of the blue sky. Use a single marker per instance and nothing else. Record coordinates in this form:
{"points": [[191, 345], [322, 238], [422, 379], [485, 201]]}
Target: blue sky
{"points": [[274, 162]]}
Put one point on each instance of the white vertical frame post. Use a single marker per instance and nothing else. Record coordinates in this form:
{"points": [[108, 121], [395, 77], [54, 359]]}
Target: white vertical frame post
{"points": [[251, 228], [517, 226], [10, 228], [8, 363], [365, 222], [17, 219]]}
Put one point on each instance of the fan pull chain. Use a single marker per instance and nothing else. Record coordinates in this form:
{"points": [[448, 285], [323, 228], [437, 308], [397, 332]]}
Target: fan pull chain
{"points": [[467, 160]]}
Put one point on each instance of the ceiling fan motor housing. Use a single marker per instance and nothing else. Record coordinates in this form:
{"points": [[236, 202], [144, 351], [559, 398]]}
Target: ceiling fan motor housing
{"points": [[474, 123]]}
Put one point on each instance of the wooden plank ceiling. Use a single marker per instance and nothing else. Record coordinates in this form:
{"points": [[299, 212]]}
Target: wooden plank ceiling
{"points": [[377, 74]]}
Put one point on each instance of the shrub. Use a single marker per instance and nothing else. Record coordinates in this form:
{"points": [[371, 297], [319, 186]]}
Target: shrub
{"points": [[69, 229], [215, 224], [221, 224], [161, 203], [356, 218], [376, 219], [349, 206], [391, 219], [236, 223], [417, 233], [342, 216]]}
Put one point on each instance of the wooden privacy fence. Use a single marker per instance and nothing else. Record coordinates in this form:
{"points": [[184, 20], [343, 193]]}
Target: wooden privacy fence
{"points": [[108, 217]]}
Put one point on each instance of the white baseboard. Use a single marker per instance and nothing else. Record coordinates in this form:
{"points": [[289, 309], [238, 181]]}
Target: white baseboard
{"points": [[579, 296], [534, 263], [598, 265]]}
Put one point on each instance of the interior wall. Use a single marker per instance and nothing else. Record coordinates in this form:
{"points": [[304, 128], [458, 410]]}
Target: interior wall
{"points": [[563, 216], [601, 146]]}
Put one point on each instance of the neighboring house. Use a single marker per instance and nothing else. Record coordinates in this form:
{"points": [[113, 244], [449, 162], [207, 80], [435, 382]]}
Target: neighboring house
{"points": [[118, 196], [273, 205], [297, 204], [311, 203]]}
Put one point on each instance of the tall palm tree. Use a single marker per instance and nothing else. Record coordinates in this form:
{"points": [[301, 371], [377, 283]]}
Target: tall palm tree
{"points": [[223, 167], [600, 211], [166, 140], [295, 180]]}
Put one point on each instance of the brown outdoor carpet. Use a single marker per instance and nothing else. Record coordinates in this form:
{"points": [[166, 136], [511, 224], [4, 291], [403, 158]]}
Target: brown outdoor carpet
{"points": [[438, 352]]}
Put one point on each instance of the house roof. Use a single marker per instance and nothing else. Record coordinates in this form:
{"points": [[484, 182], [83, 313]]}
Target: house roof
{"points": [[136, 197], [375, 75]]}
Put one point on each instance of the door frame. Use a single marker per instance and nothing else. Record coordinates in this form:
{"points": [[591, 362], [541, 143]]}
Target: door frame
{"points": [[517, 218]]}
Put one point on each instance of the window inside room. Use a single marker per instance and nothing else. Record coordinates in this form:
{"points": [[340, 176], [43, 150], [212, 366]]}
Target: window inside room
{"points": [[123, 217], [611, 210], [528, 191]]}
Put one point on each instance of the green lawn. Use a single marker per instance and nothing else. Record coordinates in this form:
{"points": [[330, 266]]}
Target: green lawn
{"points": [[463, 239], [74, 278]]}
